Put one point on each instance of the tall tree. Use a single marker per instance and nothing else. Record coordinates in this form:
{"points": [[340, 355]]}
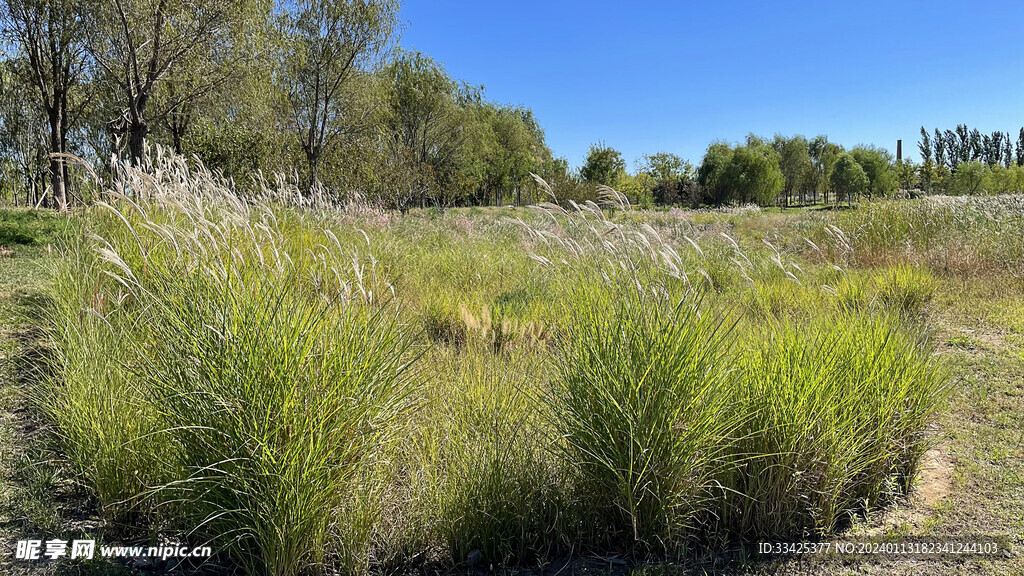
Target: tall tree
{"points": [[823, 158], [1019, 150], [753, 173], [925, 146], [962, 135], [712, 172], [22, 133], [795, 163], [848, 178], [969, 178], [604, 165], [520, 146], [138, 42], [213, 73], [927, 167], [877, 164], [424, 121], [665, 166], [942, 152], [51, 35], [976, 147], [326, 46]]}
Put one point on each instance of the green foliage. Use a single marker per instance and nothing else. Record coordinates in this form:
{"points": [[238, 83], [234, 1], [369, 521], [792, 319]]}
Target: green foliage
{"points": [[968, 179], [827, 401], [640, 400], [795, 163], [604, 165], [1001, 180], [325, 48], [960, 146], [320, 385], [665, 166], [907, 174], [848, 178], [712, 172], [907, 290], [748, 173], [877, 164], [753, 174]]}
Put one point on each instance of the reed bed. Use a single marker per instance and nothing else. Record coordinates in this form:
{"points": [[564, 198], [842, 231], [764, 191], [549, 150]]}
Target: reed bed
{"points": [[315, 387]]}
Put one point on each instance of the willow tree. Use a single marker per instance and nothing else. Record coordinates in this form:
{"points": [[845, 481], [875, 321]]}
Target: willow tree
{"points": [[848, 178], [326, 45], [753, 173], [139, 43], [425, 127], [49, 35]]}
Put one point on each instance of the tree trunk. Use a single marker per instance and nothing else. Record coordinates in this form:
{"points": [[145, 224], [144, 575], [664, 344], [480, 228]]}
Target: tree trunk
{"points": [[313, 163], [176, 135], [137, 131], [57, 183]]}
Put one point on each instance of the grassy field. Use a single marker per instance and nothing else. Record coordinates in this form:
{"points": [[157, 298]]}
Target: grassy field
{"points": [[309, 389]]}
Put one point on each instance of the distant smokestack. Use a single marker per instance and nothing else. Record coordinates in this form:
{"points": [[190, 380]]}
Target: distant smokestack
{"points": [[899, 150]]}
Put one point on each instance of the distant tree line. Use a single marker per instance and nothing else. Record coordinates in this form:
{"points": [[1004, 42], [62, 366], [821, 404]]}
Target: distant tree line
{"points": [[965, 161], [782, 171], [792, 170], [317, 90], [320, 91]]}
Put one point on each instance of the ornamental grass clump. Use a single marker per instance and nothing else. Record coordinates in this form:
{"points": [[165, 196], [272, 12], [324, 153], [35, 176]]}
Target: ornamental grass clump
{"points": [[906, 290], [837, 413], [263, 367], [279, 409], [643, 406]]}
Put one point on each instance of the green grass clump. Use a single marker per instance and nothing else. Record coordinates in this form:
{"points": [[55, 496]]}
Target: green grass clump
{"points": [[91, 390], [641, 403], [906, 290], [496, 486], [276, 409], [836, 417]]}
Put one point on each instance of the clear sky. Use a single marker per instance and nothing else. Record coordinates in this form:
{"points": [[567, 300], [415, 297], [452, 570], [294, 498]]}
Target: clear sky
{"points": [[673, 76]]}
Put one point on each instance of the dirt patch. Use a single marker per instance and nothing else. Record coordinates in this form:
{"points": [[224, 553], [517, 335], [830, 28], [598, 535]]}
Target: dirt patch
{"points": [[936, 479]]}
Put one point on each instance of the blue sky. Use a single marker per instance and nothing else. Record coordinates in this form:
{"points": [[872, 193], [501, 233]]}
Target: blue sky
{"points": [[673, 76]]}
